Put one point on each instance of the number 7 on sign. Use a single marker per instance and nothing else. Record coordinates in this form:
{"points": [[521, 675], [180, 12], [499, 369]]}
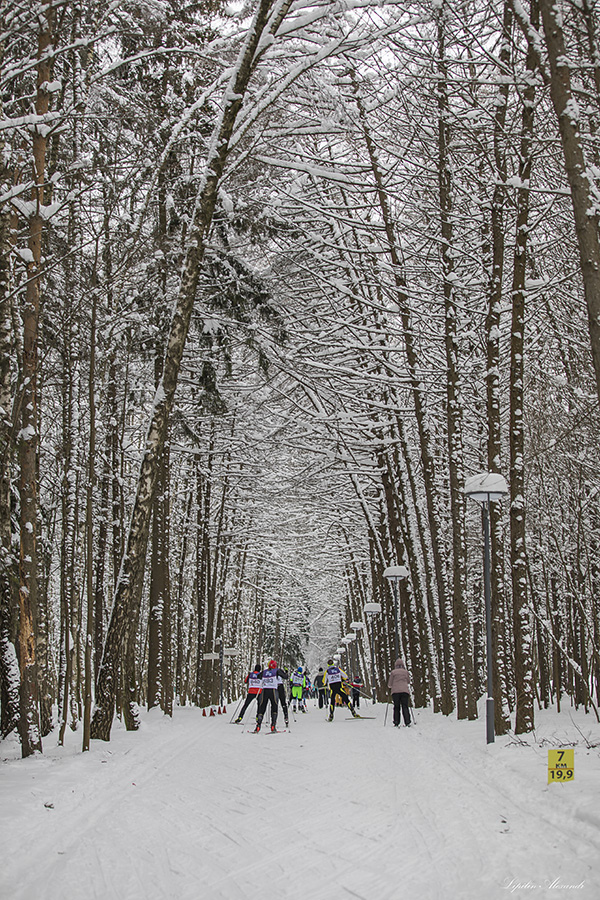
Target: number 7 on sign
{"points": [[561, 765]]}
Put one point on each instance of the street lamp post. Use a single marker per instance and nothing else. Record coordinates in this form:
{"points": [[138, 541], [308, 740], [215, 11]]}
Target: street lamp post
{"points": [[371, 609], [357, 627], [396, 574], [338, 654], [485, 489], [349, 640], [344, 641]]}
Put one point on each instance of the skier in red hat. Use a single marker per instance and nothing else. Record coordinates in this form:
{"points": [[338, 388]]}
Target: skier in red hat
{"points": [[270, 680]]}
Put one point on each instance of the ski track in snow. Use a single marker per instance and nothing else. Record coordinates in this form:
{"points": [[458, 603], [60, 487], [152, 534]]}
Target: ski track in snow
{"points": [[192, 809]]}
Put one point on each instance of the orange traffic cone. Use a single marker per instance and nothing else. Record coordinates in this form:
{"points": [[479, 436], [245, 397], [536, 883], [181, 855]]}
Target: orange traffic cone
{"points": [[212, 712], [219, 710], [224, 710], [204, 712]]}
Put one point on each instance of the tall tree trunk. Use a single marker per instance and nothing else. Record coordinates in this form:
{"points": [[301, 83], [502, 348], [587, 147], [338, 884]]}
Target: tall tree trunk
{"points": [[115, 427], [159, 624], [204, 611], [583, 193], [75, 598], [9, 667], [89, 527], [554, 614], [29, 727], [67, 519], [521, 624], [466, 702], [43, 614], [130, 686], [492, 328], [105, 482], [133, 562], [166, 700], [100, 571], [182, 678], [158, 564]]}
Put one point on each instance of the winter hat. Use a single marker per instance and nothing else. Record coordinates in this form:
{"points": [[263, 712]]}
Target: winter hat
{"points": [[329, 662], [272, 664], [320, 668], [258, 667]]}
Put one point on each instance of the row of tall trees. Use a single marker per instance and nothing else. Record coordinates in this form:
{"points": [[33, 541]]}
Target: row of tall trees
{"points": [[423, 232], [271, 285]]}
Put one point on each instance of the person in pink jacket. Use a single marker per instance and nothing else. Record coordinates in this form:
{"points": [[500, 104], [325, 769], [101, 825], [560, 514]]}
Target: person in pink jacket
{"points": [[399, 684]]}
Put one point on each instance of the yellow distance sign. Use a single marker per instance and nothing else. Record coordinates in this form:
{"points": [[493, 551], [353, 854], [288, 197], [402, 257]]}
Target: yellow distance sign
{"points": [[561, 765]]}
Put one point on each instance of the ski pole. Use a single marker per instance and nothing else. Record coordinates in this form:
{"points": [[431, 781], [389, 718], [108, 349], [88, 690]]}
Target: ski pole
{"points": [[234, 716], [362, 693]]}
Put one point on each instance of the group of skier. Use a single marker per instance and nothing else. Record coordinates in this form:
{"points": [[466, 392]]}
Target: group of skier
{"points": [[331, 686], [266, 686]]}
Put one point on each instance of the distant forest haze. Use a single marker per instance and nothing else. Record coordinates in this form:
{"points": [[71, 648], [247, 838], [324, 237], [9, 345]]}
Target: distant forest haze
{"points": [[276, 278]]}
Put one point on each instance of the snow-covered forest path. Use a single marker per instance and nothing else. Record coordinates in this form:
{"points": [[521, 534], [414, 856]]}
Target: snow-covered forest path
{"points": [[195, 808]]}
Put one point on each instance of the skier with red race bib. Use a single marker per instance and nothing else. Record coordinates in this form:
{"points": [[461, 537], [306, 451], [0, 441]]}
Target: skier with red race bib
{"points": [[270, 693], [254, 682]]}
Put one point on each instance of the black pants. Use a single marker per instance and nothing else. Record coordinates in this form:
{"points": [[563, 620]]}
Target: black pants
{"points": [[272, 695], [282, 698], [356, 698], [336, 688], [401, 700], [322, 702], [247, 703]]}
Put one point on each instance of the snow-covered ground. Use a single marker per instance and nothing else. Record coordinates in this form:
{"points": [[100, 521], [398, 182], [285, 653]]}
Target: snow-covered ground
{"points": [[194, 808]]}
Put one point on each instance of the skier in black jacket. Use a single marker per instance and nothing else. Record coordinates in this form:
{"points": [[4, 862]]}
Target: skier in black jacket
{"points": [[321, 687], [254, 682], [337, 679], [282, 679]]}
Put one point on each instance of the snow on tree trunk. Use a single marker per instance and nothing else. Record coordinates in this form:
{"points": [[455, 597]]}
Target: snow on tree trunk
{"points": [[181, 675], [158, 575], [493, 393], [466, 702], [29, 725], [521, 620], [206, 608], [9, 667], [68, 517], [583, 191], [89, 527]]}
